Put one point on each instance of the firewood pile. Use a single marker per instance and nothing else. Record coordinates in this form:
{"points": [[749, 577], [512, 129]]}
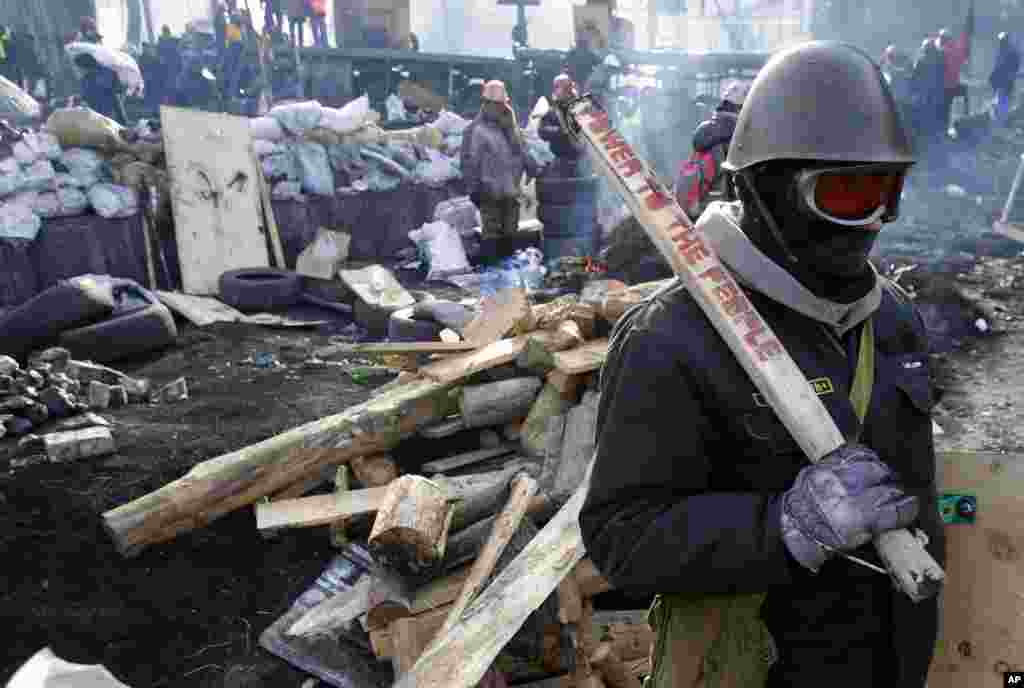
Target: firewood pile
{"points": [[423, 553]]}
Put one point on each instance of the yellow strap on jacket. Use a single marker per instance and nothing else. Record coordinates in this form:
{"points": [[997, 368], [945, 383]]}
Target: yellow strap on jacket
{"points": [[720, 641]]}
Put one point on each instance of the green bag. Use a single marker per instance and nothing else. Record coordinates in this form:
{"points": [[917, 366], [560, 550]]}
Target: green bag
{"points": [[720, 641]]}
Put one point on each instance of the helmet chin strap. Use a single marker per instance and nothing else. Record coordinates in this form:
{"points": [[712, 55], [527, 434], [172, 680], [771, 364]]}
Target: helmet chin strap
{"points": [[762, 209]]}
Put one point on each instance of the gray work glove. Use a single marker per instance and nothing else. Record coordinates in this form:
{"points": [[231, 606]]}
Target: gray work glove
{"points": [[841, 503]]}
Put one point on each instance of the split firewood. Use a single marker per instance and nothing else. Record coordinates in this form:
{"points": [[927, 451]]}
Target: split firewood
{"points": [[500, 313], [405, 639], [582, 359], [466, 459], [476, 505], [554, 438], [411, 529], [616, 303], [549, 403], [497, 403], [627, 632], [461, 366], [522, 488], [319, 510], [590, 580], [536, 358], [551, 315], [374, 471], [613, 670], [389, 597], [538, 354], [339, 538], [570, 603], [221, 485], [578, 444]]}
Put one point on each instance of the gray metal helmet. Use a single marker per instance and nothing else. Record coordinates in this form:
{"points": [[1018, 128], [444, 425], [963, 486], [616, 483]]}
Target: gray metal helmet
{"points": [[824, 101]]}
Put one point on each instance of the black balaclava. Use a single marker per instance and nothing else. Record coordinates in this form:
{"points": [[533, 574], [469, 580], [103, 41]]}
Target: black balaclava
{"points": [[831, 260]]}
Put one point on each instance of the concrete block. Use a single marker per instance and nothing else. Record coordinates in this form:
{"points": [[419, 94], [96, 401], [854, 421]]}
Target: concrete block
{"points": [[79, 444]]}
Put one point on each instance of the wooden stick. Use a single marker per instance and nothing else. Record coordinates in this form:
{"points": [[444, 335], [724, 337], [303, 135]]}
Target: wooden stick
{"points": [[466, 459], [339, 538], [221, 485], [756, 347], [549, 403], [461, 656], [522, 489], [582, 359], [394, 348], [613, 670], [268, 212], [319, 510]]}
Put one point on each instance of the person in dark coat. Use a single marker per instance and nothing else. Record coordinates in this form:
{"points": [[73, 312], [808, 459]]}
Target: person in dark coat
{"points": [[567, 153], [1004, 76], [101, 88], [928, 92], [698, 493]]}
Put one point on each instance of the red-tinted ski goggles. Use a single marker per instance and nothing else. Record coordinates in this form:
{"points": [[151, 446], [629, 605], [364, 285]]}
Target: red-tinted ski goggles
{"points": [[852, 195]]}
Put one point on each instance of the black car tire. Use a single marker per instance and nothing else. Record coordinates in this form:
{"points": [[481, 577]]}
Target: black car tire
{"points": [[135, 332], [258, 290]]}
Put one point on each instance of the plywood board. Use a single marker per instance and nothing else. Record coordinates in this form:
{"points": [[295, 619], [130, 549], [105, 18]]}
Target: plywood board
{"points": [[376, 286], [982, 628], [214, 194]]}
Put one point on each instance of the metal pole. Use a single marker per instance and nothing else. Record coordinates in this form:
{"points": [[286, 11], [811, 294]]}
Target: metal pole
{"points": [[1013, 192]]}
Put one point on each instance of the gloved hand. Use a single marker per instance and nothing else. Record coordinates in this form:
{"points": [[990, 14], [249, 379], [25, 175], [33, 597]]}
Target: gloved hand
{"points": [[842, 501]]}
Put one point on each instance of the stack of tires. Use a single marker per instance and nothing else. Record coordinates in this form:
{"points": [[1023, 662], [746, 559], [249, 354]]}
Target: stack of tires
{"points": [[567, 207]]}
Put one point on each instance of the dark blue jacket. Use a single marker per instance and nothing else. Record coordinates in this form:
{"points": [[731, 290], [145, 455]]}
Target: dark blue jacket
{"points": [[100, 91], [691, 465]]}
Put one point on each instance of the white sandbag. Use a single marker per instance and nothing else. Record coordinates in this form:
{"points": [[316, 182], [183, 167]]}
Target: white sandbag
{"points": [[325, 256], [114, 201], [442, 248], [264, 147], [459, 212], [12, 179], [17, 221], [265, 129], [36, 146], [281, 165], [298, 117], [64, 202], [40, 176], [348, 118], [449, 123], [84, 127], [287, 191], [396, 109], [436, 172], [314, 168], [123, 64]]}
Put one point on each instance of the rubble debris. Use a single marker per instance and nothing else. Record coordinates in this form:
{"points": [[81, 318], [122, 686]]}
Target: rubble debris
{"points": [[72, 445], [85, 420]]}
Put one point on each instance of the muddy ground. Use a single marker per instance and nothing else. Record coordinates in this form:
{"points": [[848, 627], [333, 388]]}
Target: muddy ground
{"points": [[189, 612]]}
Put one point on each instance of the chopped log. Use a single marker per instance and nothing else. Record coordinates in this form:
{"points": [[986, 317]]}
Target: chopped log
{"points": [[439, 591], [500, 313], [221, 485], [583, 359], [476, 505], [577, 444], [613, 670], [424, 625], [549, 403], [522, 488], [536, 357], [568, 385], [389, 598], [466, 459], [497, 403], [551, 315], [553, 441], [374, 471], [570, 603], [335, 611], [319, 510], [460, 657], [589, 578], [329, 352], [339, 538], [461, 366], [411, 528]]}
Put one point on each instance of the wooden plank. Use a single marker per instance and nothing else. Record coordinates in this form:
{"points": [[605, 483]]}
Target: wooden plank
{"points": [[491, 356], [467, 459], [425, 625], [199, 310], [982, 622], [268, 213], [582, 359], [214, 195], [499, 314], [395, 348], [439, 591], [460, 657], [318, 510]]}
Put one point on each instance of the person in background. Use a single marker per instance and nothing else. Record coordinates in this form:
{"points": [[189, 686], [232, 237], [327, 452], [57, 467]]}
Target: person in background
{"points": [[1004, 76], [581, 61], [101, 88], [154, 76], [379, 37], [412, 43], [87, 32], [169, 49], [493, 159], [956, 52], [928, 93], [29, 67], [567, 153], [897, 67], [318, 22], [297, 22], [232, 66], [7, 69]]}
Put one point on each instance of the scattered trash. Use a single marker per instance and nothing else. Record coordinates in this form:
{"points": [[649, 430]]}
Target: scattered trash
{"points": [[265, 360]]}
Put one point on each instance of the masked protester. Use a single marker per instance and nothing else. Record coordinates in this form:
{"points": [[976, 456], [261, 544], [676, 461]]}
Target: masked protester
{"points": [[699, 494], [494, 158], [1004, 76], [567, 153], [101, 88]]}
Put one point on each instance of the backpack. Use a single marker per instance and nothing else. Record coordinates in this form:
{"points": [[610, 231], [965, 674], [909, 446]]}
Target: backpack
{"points": [[695, 180]]}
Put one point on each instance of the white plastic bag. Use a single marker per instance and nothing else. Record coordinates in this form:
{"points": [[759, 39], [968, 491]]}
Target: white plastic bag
{"points": [[442, 247], [17, 221], [265, 129], [66, 201], [114, 201], [32, 147], [459, 212], [396, 109], [280, 166], [46, 670], [12, 179], [314, 168], [348, 118], [81, 161], [437, 172], [325, 256], [40, 176], [298, 117]]}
